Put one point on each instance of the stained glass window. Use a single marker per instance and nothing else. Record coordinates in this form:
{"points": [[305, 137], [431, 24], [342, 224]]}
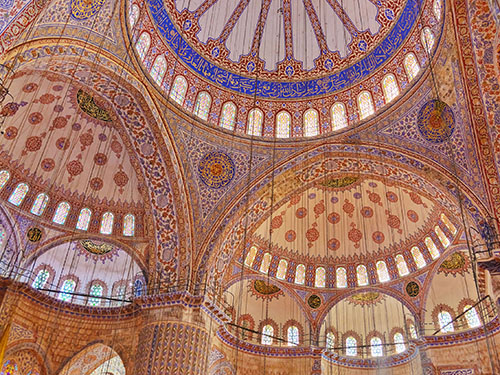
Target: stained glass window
{"points": [[84, 219], [282, 266], [383, 273], [68, 287], [202, 106], [319, 280], [40, 204], [442, 237], [311, 123], [448, 224], [18, 194], [254, 125], [40, 279], [9, 368], [138, 288], [179, 89], [351, 348], [228, 116], [283, 121], [339, 118], [376, 347], [2, 236], [472, 316], [4, 177], [134, 15], [300, 274], [411, 66], [365, 105], [267, 335], [401, 265], [142, 45], [266, 262], [400, 342], [413, 331], [159, 69], [293, 336], [96, 291], [362, 275], [445, 322], [330, 340], [341, 277], [107, 223], [418, 257], [61, 214], [129, 225], [431, 246], [427, 39], [251, 256], [390, 86], [437, 7]]}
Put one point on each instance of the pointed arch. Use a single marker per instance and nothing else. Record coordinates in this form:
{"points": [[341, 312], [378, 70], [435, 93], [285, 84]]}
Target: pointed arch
{"points": [[19, 193], [431, 246], [390, 87], [142, 45], [382, 272], [129, 225], [84, 219], [428, 39], [250, 256], [418, 257], [311, 123], [4, 177], [401, 265], [266, 262], [362, 275], [283, 124], [96, 359], [341, 277], [339, 117], [179, 89], [365, 105], [159, 69], [202, 105], [255, 120], [61, 214], [282, 267], [134, 15], [228, 116], [107, 223], [300, 274], [40, 204], [411, 65], [320, 277]]}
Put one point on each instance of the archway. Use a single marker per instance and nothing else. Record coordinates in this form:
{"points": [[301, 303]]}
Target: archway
{"points": [[96, 359]]}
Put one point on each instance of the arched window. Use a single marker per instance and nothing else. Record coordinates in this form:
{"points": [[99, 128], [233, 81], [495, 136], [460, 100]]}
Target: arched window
{"points": [[9, 368], [84, 219], [282, 266], [67, 289], [330, 340], [411, 66], [365, 105], [107, 223], [267, 335], [283, 121], [142, 45], [448, 224], [376, 347], [250, 256], [202, 106], [427, 39], [390, 87], [18, 194], [383, 273], [129, 225], [431, 246], [472, 316], [254, 125], [62, 212], [40, 279], [437, 8], [179, 89], [138, 288], [159, 69], [228, 116], [293, 336], [401, 265], [40, 204], [134, 15], [266, 262], [399, 341], [339, 118], [442, 237], [362, 275], [311, 123], [4, 177], [341, 277], [418, 257], [351, 346], [2, 237], [300, 274], [413, 331], [96, 291], [445, 322], [319, 280]]}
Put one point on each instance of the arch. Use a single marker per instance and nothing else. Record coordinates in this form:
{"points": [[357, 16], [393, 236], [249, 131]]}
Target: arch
{"points": [[330, 340], [282, 267], [341, 276], [362, 275], [437, 8], [134, 15], [159, 69], [107, 223], [179, 89], [96, 291], [427, 39], [411, 65], [17, 196], [339, 117], [129, 225], [320, 277], [254, 123], [250, 256], [41, 278], [4, 177], [202, 105], [61, 213], [445, 322], [471, 316], [376, 349], [292, 336], [142, 45], [390, 88], [431, 246], [418, 257], [283, 124], [442, 237], [382, 272], [311, 123], [68, 287], [447, 222], [95, 357], [300, 274], [399, 342], [40, 204], [351, 346], [228, 116], [401, 265], [84, 219], [267, 335], [266, 262], [365, 105]]}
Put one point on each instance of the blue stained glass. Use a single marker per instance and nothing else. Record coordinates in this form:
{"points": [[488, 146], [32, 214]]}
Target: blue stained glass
{"points": [[351, 346], [293, 336], [376, 347], [138, 288], [267, 335], [41, 279], [400, 342], [96, 290], [68, 287]]}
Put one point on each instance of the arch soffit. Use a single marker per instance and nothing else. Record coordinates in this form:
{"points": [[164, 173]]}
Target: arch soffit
{"points": [[12, 230], [40, 355], [93, 347]]}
